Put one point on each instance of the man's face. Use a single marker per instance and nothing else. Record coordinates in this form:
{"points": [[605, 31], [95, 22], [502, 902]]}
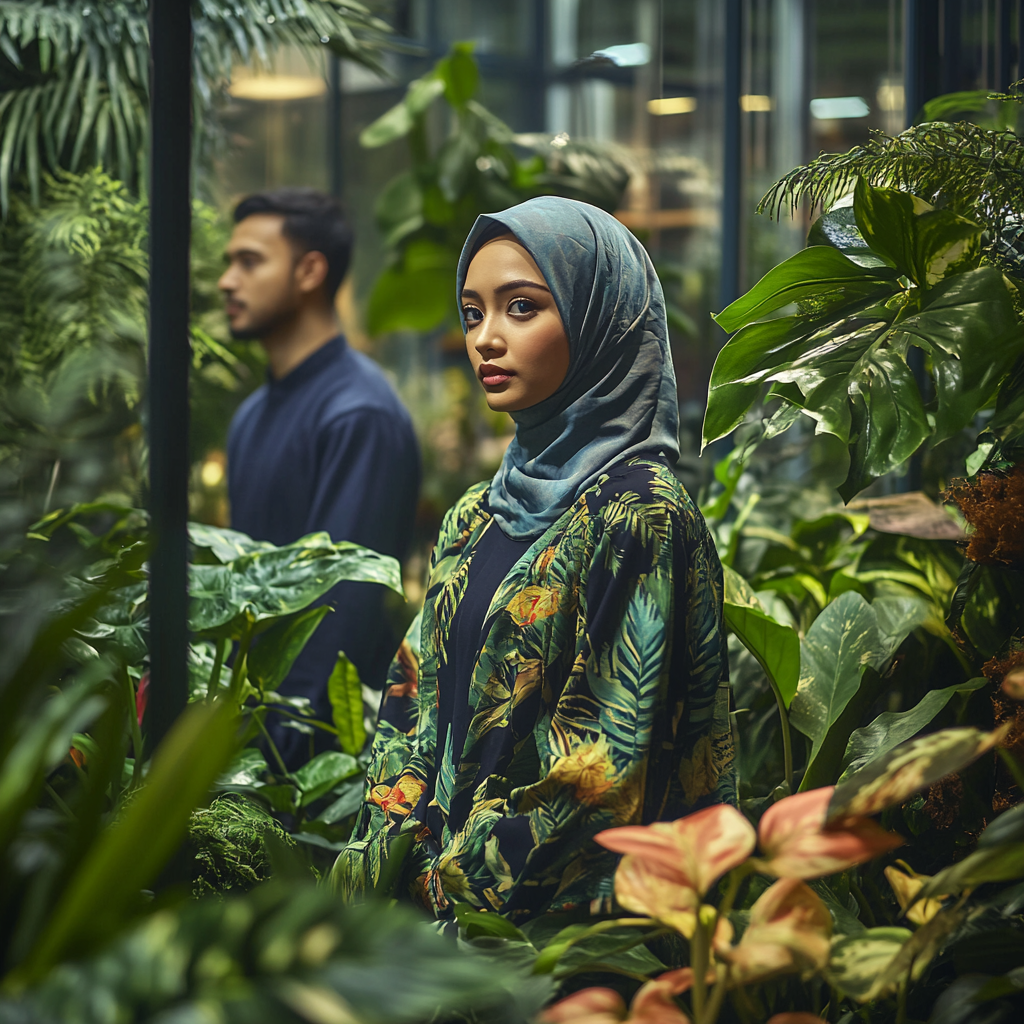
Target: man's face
{"points": [[259, 285]]}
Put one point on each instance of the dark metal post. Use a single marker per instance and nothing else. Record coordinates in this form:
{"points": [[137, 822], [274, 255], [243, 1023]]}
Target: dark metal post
{"points": [[170, 34], [951, 33], [1020, 39], [1004, 46], [732, 155], [921, 64], [335, 167]]}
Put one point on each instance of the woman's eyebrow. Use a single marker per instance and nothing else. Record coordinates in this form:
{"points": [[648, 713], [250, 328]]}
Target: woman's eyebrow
{"points": [[510, 286]]}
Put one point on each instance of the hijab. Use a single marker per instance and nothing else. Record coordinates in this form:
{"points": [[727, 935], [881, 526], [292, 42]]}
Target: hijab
{"points": [[618, 399]]}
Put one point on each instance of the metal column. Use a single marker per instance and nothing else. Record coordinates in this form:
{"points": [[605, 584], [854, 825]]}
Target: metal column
{"points": [[732, 155], [170, 161]]}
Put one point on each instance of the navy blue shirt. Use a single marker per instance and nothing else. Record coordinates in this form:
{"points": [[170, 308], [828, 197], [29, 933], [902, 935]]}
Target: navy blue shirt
{"points": [[328, 447]]}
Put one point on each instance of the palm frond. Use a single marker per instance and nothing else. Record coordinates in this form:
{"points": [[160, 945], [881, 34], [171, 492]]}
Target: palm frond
{"points": [[74, 89], [974, 171]]}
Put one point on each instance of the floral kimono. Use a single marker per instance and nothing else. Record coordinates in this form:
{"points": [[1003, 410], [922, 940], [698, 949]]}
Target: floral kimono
{"points": [[595, 691], [599, 699]]}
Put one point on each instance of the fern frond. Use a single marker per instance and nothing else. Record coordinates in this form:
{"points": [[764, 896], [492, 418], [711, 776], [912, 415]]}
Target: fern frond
{"points": [[974, 171], [74, 88]]}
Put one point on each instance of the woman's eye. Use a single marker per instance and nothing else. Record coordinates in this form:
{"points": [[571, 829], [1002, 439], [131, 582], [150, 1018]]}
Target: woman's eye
{"points": [[472, 314], [521, 306]]}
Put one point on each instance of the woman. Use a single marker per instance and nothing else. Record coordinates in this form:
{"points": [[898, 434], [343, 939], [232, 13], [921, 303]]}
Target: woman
{"points": [[569, 672]]}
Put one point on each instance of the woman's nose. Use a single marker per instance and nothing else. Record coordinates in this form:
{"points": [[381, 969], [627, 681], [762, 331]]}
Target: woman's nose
{"points": [[488, 340]]}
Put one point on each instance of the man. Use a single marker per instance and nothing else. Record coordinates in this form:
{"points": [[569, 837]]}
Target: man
{"points": [[325, 443]]}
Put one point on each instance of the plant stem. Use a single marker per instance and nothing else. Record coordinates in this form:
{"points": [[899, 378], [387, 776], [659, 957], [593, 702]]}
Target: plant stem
{"points": [[901, 1000], [133, 724], [787, 740], [273, 748], [60, 803], [717, 995], [699, 964], [239, 669], [218, 661], [1014, 765], [862, 902]]}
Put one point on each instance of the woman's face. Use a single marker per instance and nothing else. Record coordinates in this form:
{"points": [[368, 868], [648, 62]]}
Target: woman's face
{"points": [[514, 335]]}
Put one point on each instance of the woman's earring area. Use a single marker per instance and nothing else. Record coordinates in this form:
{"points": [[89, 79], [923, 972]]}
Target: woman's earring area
{"points": [[515, 339]]}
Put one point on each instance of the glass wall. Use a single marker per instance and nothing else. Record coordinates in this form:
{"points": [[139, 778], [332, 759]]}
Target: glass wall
{"points": [[643, 76]]}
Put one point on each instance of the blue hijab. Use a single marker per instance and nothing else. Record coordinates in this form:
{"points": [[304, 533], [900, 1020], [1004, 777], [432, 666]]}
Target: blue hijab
{"points": [[618, 399]]}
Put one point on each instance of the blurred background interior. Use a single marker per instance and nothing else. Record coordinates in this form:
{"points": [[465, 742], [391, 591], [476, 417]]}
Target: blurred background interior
{"points": [[645, 78]]}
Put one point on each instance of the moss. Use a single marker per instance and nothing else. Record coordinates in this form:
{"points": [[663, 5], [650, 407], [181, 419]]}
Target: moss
{"points": [[230, 841]]}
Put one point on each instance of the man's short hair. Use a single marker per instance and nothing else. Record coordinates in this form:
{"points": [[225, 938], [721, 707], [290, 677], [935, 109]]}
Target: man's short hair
{"points": [[312, 221]]}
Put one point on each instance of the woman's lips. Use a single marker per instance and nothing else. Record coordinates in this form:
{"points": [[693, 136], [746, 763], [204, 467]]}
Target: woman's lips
{"points": [[493, 375]]}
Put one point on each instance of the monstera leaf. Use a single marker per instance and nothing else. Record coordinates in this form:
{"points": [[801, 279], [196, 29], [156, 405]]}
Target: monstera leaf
{"points": [[264, 585], [894, 274]]}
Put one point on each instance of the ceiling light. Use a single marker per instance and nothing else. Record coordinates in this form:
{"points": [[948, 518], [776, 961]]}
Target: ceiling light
{"points": [[673, 105], [831, 108], [277, 87], [753, 103], [626, 55], [890, 97]]}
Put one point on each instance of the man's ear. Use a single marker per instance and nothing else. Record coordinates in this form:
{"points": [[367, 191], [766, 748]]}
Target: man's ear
{"points": [[310, 271]]}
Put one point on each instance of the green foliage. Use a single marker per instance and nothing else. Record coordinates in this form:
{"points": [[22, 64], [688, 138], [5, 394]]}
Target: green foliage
{"points": [[75, 76], [285, 952], [230, 842], [345, 692], [425, 213], [843, 359], [971, 171], [74, 273]]}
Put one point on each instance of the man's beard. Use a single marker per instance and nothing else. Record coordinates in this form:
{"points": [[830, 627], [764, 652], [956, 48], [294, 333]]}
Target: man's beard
{"points": [[261, 328]]}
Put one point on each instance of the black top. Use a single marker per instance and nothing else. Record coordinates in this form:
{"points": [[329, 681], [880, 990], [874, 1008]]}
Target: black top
{"points": [[493, 558], [328, 447]]}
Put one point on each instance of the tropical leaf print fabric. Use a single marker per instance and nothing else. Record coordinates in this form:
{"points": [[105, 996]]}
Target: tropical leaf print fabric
{"points": [[599, 698]]}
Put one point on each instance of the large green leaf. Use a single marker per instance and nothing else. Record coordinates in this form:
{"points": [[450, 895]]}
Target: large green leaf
{"points": [[891, 728], [842, 360], [912, 766], [108, 884], [460, 74], [399, 120], [413, 300], [894, 619], [346, 695], [775, 646], [1000, 863], [859, 962], [923, 243], [264, 585], [972, 336], [225, 545], [271, 659], [323, 773], [838, 228], [399, 207], [817, 270], [842, 641]]}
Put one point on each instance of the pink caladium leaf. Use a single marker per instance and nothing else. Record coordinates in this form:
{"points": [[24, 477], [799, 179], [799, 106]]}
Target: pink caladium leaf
{"points": [[694, 851], [646, 891], [653, 1002], [588, 1006], [790, 931], [797, 842]]}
